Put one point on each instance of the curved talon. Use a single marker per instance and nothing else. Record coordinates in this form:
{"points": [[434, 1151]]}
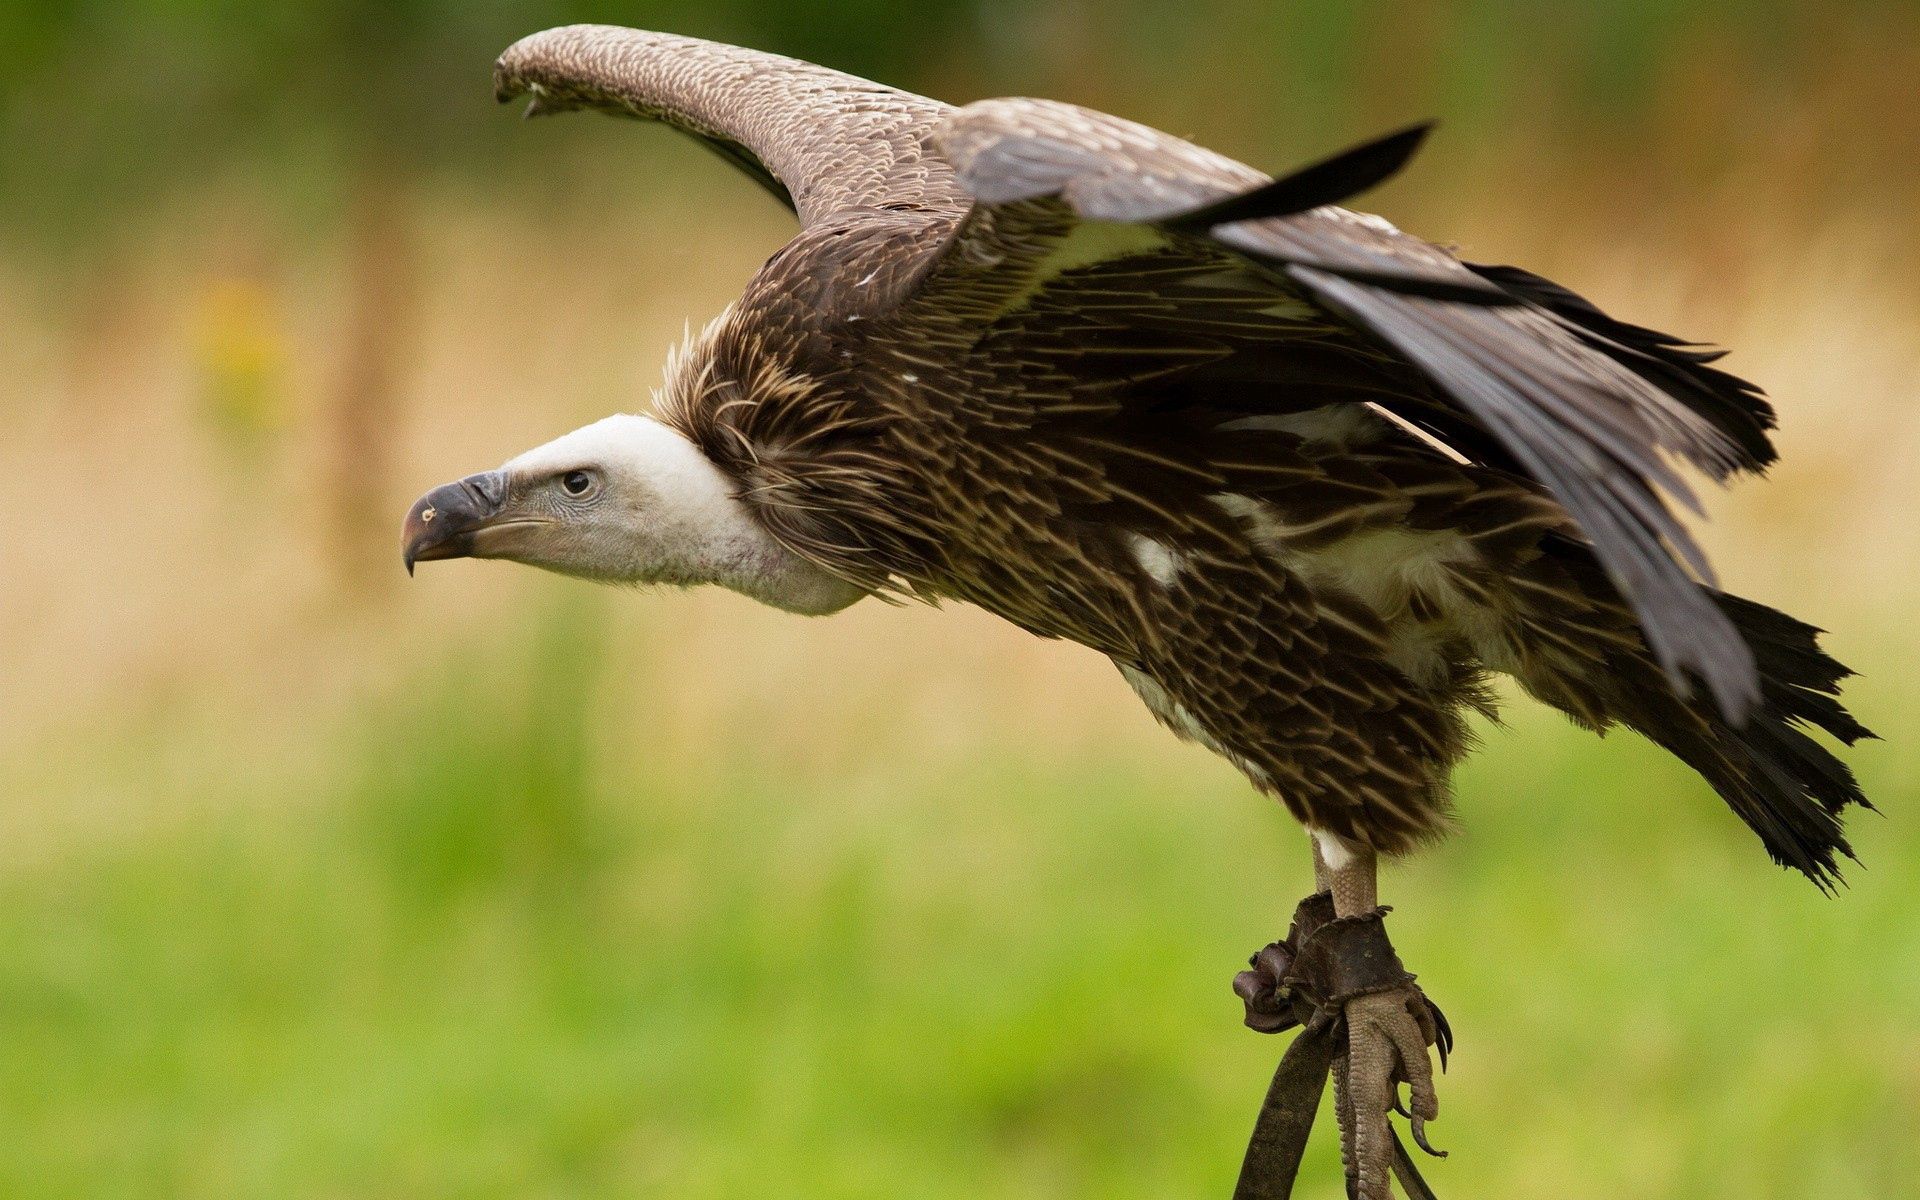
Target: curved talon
{"points": [[1442, 1032], [1420, 1137]]}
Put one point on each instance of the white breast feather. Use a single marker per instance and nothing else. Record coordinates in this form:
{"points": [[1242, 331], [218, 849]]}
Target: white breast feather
{"points": [[1155, 558], [1383, 568]]}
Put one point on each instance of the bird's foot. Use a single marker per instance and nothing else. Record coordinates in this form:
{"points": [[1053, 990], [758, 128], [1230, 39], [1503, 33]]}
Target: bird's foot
{"points": [[1340, 978], [1387, 1035]]}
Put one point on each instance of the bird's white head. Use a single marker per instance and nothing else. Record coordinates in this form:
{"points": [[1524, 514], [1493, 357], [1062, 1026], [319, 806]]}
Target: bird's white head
{"points": [[628, 499]]}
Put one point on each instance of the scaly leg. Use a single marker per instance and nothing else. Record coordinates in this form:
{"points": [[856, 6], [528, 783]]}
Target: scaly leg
{"points": [[1388, 1033]]}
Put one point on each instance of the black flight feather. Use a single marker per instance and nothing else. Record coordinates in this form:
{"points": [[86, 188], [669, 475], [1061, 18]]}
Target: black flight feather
{"points": [[1677, 367], [1328, 181]]}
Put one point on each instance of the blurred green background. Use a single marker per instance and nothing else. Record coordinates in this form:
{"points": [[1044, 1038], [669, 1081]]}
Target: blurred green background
{"points": [[317, 882]]}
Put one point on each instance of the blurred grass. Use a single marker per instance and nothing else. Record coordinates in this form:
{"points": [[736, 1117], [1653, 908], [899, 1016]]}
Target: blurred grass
{"points": [[509, 959]]}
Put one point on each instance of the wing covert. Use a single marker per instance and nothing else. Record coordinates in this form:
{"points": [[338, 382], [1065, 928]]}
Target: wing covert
{"points": [[1588, 421], [817, 138]]}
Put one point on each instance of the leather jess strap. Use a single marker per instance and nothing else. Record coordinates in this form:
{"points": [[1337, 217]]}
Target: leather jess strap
{"points": [[1305, 981]]}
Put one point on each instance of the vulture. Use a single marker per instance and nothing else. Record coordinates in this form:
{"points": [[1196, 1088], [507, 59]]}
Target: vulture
{"points": [[1310, 482]]}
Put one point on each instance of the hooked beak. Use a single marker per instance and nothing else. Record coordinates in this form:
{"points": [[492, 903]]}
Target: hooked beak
{"points": [[442, 523]]}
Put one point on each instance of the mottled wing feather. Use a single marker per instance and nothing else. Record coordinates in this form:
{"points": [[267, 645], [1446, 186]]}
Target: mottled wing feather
{"points": [[1586, 426], [822, 140]]}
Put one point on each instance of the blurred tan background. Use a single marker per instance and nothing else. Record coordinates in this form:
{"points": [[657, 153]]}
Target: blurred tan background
{"points": [[318, 881]]}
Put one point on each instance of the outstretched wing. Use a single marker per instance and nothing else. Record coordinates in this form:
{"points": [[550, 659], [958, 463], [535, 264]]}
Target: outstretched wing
{"points": [[819, 140], [1516, 371]]}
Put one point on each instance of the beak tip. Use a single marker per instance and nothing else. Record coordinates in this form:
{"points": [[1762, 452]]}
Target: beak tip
{"points": [[442, 523]]}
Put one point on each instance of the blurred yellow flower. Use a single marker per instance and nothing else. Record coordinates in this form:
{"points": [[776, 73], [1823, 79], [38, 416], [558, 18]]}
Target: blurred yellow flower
{"points": [[241, 355]]}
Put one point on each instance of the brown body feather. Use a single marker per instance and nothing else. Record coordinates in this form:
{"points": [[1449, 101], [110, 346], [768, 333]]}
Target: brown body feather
{"points": [[1303, 501]]}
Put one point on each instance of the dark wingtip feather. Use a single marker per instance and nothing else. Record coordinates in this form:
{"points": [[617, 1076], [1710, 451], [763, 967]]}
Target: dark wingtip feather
{"points": [[1329, 181], [1736, 408]]}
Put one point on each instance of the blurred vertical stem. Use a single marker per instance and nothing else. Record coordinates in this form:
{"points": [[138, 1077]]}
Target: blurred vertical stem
{"points": [[364, 411]]}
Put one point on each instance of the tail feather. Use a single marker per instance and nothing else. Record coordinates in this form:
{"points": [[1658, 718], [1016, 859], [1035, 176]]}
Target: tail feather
{"points": [[1789, 788], [1798, 677]]}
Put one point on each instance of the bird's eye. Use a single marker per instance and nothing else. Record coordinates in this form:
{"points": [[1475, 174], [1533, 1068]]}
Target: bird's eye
{"points": [[577, 483]]}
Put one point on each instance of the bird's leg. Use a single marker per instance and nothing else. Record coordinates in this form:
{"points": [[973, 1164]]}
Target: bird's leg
{"points": [[1354, 881], [1361, 1017], [1388, 1027]]}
